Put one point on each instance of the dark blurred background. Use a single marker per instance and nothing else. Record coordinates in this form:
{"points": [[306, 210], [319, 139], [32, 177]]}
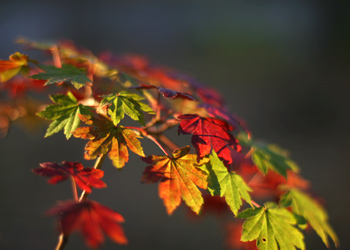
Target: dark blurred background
{"points": [[283, 66]]}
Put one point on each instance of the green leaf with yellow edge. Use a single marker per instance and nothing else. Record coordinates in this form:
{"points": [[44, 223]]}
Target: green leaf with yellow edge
{"points": [[68, 73], [106, 138], [179, 177], [126, 103], [228, 184], [271, 227], [303, 205], [10, 68], [268, 156], [64, 113]]}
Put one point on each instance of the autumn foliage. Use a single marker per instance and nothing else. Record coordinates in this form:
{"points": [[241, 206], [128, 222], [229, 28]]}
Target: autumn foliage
{"points": [[222, 170]]}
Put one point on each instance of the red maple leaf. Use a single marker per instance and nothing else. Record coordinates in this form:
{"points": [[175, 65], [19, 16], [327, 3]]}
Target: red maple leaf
{"points": [[179, 177], [208, 134], [92, 219], [85, 178]]}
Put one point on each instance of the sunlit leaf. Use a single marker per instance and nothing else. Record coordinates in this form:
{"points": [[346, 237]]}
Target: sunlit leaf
{"points": [[272, 228], [179, 177], [64, 113], [228, 184], [208, 134], [106, 138], [126, 103]]}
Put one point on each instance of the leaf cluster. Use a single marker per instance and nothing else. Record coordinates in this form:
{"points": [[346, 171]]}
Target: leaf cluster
{"points": [[225, 169]]}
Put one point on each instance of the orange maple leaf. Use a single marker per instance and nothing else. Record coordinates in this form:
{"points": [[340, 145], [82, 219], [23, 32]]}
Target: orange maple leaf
{"points": [[179, 176], [107, 138], [10, 68]]}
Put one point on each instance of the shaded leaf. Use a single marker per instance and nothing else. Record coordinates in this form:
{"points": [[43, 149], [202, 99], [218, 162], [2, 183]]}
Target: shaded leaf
{"points": [[125, 103], [179, 177], [272, 228], [269, 157], [65, 114], [303, 205], [167, 93], [209, 133], [12, 67], [92, 219], [85, 178], [228, 184], [106, 138], [68, 73]]}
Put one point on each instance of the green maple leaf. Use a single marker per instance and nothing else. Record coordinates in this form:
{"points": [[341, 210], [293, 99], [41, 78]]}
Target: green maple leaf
{"points": [[65, 113], [68, 73], [303, 205], [228, 184], [126, 103], [106, 138], [272, 228], [269, 156]]}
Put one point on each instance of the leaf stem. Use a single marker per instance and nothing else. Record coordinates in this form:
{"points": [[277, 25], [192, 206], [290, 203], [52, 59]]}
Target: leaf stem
{"points": [[74, 189], [169, 143], [254, 203], [158, 108], [56, 56], [145, 134], [98, 165]]}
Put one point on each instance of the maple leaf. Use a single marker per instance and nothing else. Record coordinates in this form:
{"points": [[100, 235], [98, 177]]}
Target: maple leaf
{"points": [[179, 176], [65, 114], [68, 73], [167, 93], [269, 156], [92, 219], [272, 227], [209, 133], [303, 205], [85, 178], [106, 138], [12, 67], [125, 103], [228, 184]]}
